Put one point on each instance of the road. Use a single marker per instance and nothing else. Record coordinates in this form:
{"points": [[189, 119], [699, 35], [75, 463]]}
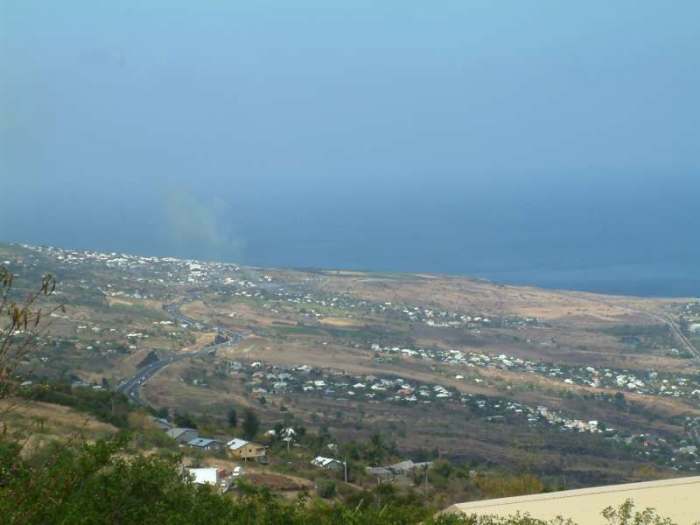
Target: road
{"points": [[680, 336], [675, 330], [131, 386]]}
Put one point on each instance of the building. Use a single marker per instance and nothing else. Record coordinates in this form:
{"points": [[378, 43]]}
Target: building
{"points": [[162, 424], [381, 473], [245, 450], [202, 443], [404, 468], [182, 435], [206, 476], [676, 499], [327, 463]]}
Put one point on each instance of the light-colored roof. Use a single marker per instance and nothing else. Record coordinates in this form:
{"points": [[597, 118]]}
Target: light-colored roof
{"points": [[677, 499], [203, 476], [201, 442], [236, 443], [321, 461], [177, 432]]}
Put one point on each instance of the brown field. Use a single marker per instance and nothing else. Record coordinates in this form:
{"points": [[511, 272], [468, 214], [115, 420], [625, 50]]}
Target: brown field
{"points": [[42, 422]]}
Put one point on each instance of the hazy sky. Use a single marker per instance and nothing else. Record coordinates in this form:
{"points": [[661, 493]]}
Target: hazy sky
{"points": [[458, 136]]}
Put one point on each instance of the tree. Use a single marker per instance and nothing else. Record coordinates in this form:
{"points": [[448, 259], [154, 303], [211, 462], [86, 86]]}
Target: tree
{"points": [[21, 322], [251, 424], [185, 421], [232, 417]]}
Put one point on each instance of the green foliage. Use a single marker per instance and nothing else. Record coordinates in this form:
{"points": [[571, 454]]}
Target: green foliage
{"points": [[105, 405], [232, 417], [507, 485], [88, 484], [377, 451], [251, 424], [95, 484], [101, 483], [185, 421], [627, 515], [326, 488]]}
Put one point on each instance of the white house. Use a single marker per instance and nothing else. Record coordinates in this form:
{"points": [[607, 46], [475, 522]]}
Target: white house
{"points": [[327, 463], [206, 476]]}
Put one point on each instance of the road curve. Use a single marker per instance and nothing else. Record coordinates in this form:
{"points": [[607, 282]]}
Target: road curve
{"points": [[131, 386]]}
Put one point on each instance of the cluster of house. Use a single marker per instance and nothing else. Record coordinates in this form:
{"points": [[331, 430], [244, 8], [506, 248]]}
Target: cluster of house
{"points": [[648, 382], [448, 319], [159, 271], [237, 448], [691, 317], [263, 380], [316, 304]]}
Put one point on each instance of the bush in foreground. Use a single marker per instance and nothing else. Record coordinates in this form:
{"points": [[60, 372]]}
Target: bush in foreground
{"points": [[101, 483]]}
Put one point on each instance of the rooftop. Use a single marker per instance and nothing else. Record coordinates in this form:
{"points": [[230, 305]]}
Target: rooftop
{"points": [[676, 499]]}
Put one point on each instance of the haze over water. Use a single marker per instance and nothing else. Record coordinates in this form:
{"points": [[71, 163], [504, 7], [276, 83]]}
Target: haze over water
{"points": [[529, 142]]}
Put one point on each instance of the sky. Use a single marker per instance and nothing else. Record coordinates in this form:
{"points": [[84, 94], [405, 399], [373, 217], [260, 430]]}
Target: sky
{"points": [[531, 141]]}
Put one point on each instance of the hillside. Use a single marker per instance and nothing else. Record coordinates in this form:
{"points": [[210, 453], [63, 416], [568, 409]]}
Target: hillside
{"points": [[579, 388]]}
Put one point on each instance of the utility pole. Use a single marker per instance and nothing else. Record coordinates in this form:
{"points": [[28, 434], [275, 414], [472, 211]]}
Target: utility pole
{"points": [[345, 464]]}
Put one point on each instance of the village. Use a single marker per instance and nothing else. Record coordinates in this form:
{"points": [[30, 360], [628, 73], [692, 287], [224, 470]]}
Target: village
{"points": [[114, 285], [263, 380], [648, 383], [240, 459]]}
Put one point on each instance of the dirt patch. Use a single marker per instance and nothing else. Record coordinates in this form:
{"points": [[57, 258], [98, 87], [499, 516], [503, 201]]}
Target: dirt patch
{"points": [[278, 481]]}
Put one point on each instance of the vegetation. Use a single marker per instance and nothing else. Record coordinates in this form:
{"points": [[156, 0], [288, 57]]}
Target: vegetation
{"points": [[111, 481], [20, 324], [98, 483], [107, 406], [232, 417], [251, 424]]}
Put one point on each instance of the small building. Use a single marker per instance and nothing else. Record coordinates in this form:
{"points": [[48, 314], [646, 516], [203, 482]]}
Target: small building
{"points": [[381, 473], [327, 463], [206, 476], [245, 450], [162, 424], [202, 443], [405, 468], [182, 435]]}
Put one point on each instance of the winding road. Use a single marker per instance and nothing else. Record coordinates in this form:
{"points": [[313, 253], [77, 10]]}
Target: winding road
{"points": [[130, 386]]}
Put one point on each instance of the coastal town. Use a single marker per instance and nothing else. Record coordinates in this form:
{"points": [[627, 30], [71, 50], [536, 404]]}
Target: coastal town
{"points": [[137, 314]]}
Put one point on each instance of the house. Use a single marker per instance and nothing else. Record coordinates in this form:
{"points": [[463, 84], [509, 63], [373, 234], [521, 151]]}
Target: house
{"points": [[162, 424], [381, 473], [242, 449], [404, 468], [327, 463], [202, 443], [206, 476], [182, 435]]}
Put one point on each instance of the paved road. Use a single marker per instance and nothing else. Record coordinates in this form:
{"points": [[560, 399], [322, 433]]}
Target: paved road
{"points": [[675, 330], [130, 387], [690, 347]]}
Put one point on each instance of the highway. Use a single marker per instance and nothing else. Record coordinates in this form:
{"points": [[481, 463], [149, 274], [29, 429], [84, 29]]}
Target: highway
{"points": [[680, 336], [131, 386]]}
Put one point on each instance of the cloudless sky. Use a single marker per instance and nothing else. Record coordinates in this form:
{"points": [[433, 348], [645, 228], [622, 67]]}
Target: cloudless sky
{"points": [[538, 141]]}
